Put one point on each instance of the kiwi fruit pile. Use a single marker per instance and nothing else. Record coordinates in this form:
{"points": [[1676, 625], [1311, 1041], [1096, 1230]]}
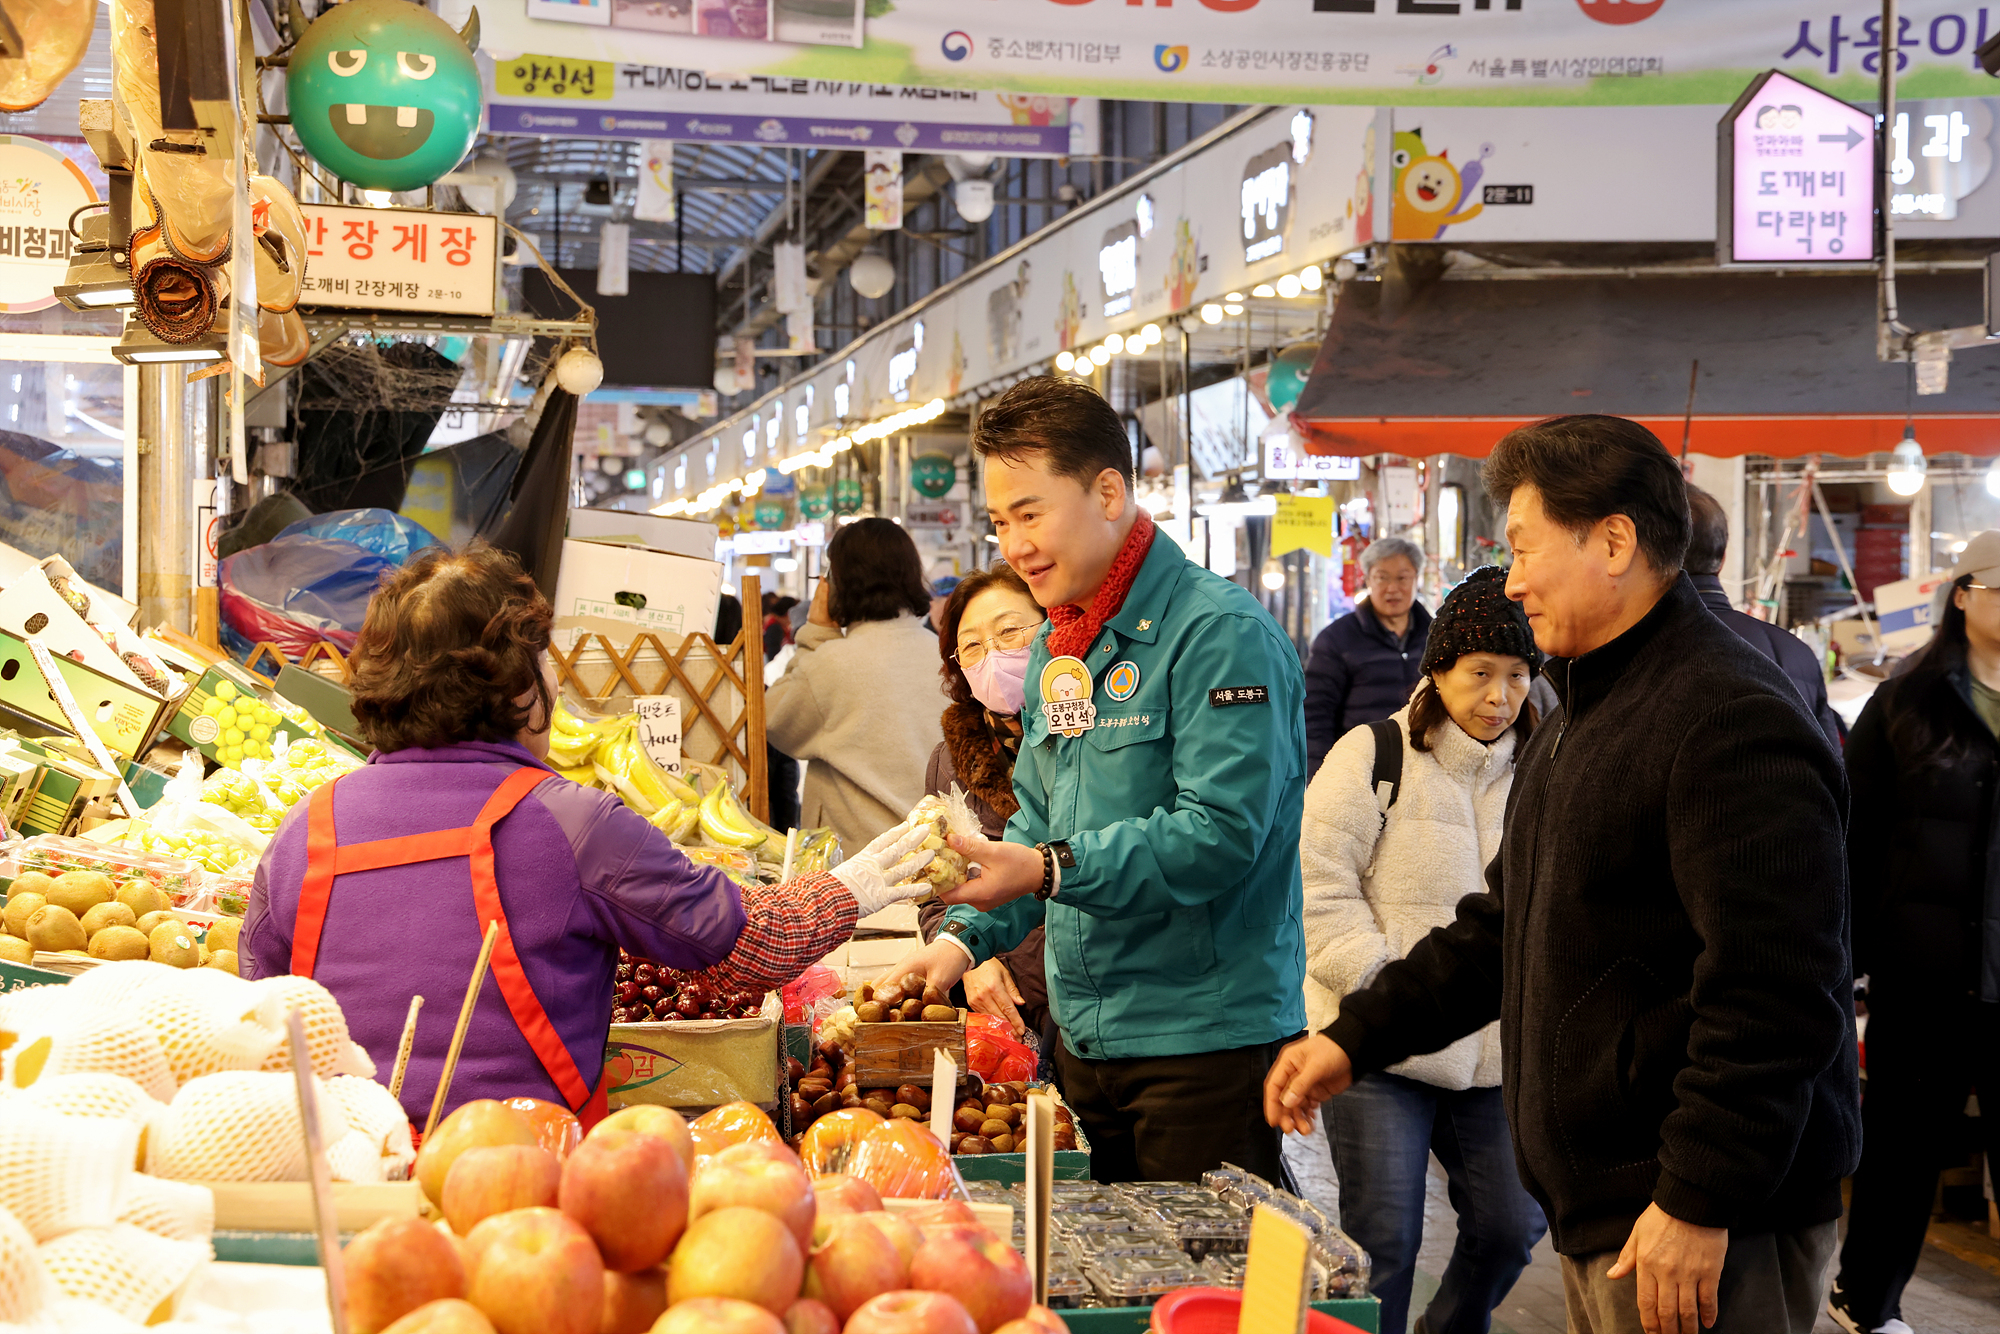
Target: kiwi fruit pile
{"points": [[85, 914]]}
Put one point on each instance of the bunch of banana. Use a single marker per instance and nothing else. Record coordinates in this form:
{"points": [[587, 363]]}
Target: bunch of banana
{"points": [[725, 823], [572, 741]]}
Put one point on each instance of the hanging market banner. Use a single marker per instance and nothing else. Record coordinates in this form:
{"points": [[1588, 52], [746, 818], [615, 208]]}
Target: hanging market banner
{"points": [[1396, 52], [604, 99]]}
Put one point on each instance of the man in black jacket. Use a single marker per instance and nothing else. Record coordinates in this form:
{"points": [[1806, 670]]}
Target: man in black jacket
{"points": [[1364, 665], [1710, 541], [1666, 940]]}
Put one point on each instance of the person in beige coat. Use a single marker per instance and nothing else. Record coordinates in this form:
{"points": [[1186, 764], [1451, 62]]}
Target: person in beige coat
{"points": [[860, 701], [1379, 873]]}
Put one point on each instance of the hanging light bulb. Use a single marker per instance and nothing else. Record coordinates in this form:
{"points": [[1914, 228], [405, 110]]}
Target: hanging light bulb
{"points": [[1065, 359], [1311, 278], [1100, 354], [1907, 465], [1115, 342], [1289, 286], [1211, 313], [1274, 575]]}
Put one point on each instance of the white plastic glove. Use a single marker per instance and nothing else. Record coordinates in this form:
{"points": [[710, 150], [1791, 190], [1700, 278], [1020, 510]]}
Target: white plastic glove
{"points": [[880, 874]]}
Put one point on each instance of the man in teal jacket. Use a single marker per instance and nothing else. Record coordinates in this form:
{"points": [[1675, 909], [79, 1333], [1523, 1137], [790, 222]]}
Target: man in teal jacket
{"points": [[1161, 779]]}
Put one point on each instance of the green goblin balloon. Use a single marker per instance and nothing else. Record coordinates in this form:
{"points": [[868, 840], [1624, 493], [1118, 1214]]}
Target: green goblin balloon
{"points": [[383, 92]]}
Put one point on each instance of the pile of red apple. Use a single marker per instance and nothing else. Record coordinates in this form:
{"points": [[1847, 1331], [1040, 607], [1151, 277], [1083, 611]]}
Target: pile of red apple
{"points": [[653, 1226], [644, 992]]}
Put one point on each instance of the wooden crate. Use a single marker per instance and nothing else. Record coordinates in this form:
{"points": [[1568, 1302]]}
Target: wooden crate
{"points": [[886, 1055], [287, 1206]]}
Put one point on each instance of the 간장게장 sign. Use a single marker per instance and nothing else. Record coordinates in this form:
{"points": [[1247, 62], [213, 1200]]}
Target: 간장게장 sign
{"points": [[1798, 177], [399, 259]]}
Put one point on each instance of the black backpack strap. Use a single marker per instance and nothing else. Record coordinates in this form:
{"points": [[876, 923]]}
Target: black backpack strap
{"points": [[1388, 763]]}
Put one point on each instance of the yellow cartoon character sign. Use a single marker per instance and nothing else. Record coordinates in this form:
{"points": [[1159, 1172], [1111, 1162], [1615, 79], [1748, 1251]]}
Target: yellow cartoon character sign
{"points": [[1066, 697], [1429, 193]]}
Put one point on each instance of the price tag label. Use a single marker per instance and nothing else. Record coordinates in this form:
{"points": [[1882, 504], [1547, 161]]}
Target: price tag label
{"points": [[660, 730], [1274, 1282]]}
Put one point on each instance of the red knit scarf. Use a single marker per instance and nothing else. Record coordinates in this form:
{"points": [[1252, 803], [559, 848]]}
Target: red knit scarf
{"points": [[1076, 628]]}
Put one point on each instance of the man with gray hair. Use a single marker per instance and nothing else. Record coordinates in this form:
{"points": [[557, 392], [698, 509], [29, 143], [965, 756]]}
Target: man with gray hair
{"points": [[1364, 665]]}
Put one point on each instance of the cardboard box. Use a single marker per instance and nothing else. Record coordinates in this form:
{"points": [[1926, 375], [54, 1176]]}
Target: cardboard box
{"points": [[1904, 611], [699, 1063], [1855, 639], [193, 725], [126, 717], [678, 537], [620, 592]]}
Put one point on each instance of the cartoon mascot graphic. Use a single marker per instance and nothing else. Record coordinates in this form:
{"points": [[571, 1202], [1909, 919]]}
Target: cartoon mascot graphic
{"points": [[1430, 194]]}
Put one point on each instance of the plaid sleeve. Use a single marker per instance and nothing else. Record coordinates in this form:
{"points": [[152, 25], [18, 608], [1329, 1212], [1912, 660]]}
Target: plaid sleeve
{"points": [[790, 928]]}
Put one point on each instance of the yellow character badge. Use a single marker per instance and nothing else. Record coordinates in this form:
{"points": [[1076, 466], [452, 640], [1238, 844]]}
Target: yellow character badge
{"points": [[1066, 697]]}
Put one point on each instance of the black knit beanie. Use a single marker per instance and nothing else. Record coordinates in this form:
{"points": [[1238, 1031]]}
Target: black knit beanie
{"points": [[1479, 617]]}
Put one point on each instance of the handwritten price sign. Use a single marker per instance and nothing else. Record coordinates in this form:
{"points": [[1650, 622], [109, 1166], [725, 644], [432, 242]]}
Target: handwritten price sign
{"points": [[660, 730]]}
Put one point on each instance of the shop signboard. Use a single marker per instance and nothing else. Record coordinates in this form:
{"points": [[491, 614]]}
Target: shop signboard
{"points": [[1797, 181], [1939, 152], [615, 99], [1369, 52], [39, 190], [1285, 458], [399, 259], [945, 516]]}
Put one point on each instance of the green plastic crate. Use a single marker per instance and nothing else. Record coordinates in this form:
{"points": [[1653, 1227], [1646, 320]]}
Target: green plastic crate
{"points": [[14, 976]]}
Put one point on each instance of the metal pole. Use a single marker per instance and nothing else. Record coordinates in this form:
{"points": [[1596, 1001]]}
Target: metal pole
{"points": [[166, 499], [1887, 53]]}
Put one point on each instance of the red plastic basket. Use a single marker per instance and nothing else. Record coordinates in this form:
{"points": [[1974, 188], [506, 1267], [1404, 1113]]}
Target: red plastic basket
{"points": [[1215, 1310]]}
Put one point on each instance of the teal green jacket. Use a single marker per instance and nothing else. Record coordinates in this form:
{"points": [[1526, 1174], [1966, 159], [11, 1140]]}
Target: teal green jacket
{"points": [[1180, 928]]}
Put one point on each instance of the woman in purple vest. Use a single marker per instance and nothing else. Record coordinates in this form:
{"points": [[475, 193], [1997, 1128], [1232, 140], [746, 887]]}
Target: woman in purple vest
{"points": [[452, 686]]}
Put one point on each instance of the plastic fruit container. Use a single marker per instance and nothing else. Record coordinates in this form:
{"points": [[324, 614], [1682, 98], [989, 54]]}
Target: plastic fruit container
{"points": [[1140, 1280], [1203, 1230], [1215, 1311]]}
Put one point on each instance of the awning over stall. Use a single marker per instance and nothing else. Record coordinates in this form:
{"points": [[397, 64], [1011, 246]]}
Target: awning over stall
{"points": [[1787, 364]]}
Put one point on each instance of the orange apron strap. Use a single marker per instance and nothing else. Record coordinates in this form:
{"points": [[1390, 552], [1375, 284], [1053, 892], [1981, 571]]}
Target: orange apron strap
{"points": [[317, 887], [519, 993], [410, 850]]}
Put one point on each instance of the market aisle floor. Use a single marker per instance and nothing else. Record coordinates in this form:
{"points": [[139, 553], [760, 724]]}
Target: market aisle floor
{"points": [[1956, 1290]]}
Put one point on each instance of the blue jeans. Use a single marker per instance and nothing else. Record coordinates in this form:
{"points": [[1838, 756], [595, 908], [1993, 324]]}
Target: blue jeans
{"points": [[1383, 1131]]}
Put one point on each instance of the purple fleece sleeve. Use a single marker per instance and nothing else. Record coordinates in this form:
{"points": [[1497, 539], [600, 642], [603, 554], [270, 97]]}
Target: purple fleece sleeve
{"points": [[639, 889]]}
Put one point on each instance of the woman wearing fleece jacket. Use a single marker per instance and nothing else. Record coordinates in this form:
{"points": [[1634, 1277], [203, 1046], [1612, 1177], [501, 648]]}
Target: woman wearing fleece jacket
{"points": [[1378, 876]]}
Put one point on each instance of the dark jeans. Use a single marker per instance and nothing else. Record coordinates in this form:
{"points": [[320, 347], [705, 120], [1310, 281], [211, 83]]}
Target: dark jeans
{"points": [[1924, 1056], [1383, 1131], [1171, 1118]]}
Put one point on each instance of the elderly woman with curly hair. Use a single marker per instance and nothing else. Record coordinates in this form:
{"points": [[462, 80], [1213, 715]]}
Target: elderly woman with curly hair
{"points": [[384, 884]]}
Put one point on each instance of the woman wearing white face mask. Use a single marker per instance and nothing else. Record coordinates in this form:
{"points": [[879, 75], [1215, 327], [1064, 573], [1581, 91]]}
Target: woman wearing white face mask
{"points": [[1379, 873], [984, 633]]}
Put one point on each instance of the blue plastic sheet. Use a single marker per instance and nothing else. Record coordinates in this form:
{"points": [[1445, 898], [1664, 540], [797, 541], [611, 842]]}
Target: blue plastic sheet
{"points": [[383, 532]]}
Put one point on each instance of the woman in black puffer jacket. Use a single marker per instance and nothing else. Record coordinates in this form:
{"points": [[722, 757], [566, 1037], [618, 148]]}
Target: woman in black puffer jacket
{"points": [[1924, 863]]}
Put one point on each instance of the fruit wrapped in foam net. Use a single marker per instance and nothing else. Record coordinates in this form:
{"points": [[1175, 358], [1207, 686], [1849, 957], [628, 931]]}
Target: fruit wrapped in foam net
{"points": [[59, 1173], [237, 1125], [130, 1270], [946, 815]]}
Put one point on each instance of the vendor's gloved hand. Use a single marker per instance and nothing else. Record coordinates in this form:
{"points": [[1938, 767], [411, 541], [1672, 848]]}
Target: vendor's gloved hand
{"points": [[879, 874]]}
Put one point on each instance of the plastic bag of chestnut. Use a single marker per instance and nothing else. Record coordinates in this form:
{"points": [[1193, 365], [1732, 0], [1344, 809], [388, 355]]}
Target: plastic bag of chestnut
{"points": [[645, 992]]}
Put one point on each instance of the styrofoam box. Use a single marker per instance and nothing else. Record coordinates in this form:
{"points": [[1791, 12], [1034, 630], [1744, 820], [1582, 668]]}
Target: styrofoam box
{"points": [[621, 592], [678, 537]]}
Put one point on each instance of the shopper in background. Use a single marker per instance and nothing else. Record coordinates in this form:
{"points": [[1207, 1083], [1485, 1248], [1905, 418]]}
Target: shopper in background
{"points": [[1375, 882], [777, 623], [1161, 777], [728, 620], [1364, 665], [941, 591], [1666, 943], [984, 634], [1792, 654], [857, 701], [1921, 852]]}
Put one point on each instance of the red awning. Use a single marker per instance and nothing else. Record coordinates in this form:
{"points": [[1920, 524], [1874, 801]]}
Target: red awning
{"points": [[1788, 365], [1785, 437]]}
